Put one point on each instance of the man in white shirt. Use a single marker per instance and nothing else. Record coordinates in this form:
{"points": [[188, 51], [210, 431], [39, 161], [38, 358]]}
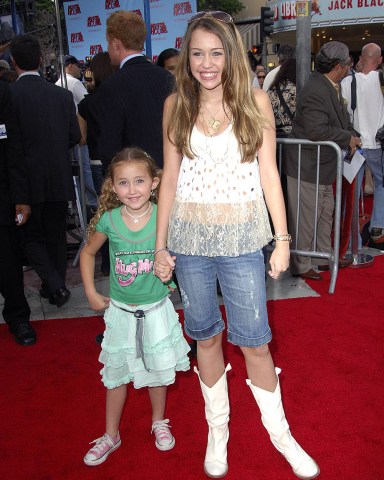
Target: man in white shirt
{"points": [[73, 71], [368, 118]]}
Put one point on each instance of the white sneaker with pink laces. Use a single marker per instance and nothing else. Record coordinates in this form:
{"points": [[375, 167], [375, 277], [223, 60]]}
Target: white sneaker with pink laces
{"points": [[104, 446], [164, 438]]}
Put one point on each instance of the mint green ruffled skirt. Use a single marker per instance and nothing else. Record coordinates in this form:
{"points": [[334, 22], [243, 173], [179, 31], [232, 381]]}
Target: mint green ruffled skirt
{"points": [[163, 345]]}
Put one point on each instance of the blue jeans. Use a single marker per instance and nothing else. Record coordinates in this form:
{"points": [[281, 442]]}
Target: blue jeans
{"points": [[97, 176], [375, 159], [242, 283], [91, 199]]}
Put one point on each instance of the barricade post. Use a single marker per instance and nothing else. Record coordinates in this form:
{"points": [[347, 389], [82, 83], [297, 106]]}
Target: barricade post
{"points": [[359, 259]]}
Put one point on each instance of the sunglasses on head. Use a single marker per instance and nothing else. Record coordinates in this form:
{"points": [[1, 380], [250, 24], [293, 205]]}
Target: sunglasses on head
{"points": [[217, 14]]}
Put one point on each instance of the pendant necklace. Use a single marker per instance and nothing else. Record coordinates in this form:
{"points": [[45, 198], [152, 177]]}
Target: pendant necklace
{"points": [[136, 217], [213, 123], [208, 150]]}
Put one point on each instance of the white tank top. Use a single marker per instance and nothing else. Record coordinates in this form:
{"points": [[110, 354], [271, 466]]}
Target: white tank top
{"points": [[219, 208]]}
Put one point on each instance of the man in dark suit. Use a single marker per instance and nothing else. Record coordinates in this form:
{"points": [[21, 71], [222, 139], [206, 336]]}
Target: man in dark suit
{"points": [[320, 116], [14, 209], [131, 101], [46, 118]]}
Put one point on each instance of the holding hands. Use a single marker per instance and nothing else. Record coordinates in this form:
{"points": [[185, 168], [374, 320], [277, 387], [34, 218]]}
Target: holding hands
{"points": [[164, 265]]}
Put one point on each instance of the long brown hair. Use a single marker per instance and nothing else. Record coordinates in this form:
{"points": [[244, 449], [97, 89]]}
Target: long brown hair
{"points": [[238, 96], [108, 199], [101, 68]]}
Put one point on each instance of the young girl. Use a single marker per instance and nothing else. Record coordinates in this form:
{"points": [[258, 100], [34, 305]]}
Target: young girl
{"points": [[143, 341], [219, 166]]}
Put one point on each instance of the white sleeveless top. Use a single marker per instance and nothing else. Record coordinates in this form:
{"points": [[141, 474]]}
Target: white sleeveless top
{"points": [[219, 208]]}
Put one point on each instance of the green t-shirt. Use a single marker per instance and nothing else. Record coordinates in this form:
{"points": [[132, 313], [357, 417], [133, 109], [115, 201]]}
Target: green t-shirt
{"points": [[131, 254]]}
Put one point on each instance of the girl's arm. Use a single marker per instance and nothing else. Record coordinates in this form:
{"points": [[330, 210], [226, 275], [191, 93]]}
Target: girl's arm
{"points": [[87, 269], [164, 263], [271, 184]]}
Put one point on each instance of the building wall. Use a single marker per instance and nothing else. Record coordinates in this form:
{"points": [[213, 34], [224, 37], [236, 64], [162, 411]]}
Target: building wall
{"points": [[251, 10]]}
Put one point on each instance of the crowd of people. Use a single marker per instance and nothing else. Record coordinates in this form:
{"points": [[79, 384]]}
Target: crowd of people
{"points": [[325, 111], [182, 157]]}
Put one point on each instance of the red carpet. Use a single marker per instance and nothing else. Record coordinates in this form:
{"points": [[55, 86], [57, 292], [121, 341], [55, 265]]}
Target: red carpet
{"points": [[330, 350]]}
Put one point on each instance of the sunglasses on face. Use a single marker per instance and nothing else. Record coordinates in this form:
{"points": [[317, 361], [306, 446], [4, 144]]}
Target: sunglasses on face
{"points": [[260, 76], [217, 14]]}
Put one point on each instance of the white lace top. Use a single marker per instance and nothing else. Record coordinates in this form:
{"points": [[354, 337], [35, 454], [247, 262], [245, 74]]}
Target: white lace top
{"points": [[219, 208]]}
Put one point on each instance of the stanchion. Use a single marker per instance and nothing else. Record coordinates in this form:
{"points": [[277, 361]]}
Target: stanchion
{"points": [[359, 260], [81, 204]]}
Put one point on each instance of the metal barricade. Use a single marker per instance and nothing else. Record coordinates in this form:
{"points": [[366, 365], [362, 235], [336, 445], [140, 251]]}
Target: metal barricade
{"points": [[80, 206], [334, 255]]}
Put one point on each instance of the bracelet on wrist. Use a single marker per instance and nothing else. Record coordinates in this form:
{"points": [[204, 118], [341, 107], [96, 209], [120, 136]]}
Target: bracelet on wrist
{"points": [[161, 250], [282, 237]]}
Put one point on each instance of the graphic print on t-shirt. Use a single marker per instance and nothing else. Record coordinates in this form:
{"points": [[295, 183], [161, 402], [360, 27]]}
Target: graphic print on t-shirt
{"points": [[126, 273]]}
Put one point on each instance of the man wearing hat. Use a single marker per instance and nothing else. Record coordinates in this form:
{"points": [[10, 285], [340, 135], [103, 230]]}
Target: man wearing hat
{"points": [[73, 74], [320, 116]]}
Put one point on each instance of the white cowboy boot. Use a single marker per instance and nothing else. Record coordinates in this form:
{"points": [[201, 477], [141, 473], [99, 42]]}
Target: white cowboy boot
{"points": [[217, 415], [273, 418]]}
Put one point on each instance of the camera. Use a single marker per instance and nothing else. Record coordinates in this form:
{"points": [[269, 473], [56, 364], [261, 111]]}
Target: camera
{"points": [[380, 136], [87, 63], [51, 74]]}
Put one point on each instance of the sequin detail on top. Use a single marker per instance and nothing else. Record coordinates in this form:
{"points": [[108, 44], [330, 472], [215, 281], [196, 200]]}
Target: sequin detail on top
{"points": [[219, 208]]}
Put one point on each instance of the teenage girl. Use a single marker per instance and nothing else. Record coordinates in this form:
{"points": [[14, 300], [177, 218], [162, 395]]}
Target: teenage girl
{"points": [[219, 171], [143, 340]]}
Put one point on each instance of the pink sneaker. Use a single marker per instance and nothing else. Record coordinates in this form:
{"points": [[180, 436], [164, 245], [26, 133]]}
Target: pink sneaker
{"points": [[104, 446], [164, 438]]}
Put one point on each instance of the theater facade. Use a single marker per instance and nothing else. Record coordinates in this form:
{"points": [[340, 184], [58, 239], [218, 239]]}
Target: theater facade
{"points": [[353, 22]]}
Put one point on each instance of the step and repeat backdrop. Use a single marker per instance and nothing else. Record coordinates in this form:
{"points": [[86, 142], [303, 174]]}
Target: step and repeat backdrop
{"points": [[86, 23]]}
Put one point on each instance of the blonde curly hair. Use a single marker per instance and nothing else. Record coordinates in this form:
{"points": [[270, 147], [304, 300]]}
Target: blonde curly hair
{"points": [[108, 199]]}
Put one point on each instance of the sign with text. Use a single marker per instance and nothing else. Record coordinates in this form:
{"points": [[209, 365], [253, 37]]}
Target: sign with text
{"points": [[86, 23], [327, 12]]}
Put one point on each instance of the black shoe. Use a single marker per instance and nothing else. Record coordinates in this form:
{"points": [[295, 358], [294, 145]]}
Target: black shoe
{"points": [[376, 233], [99, 338], [60, 297], [24, 334], [43, 293], [376, 239]]}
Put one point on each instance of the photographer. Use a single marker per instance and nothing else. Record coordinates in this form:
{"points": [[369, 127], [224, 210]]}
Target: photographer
{"points": [[366, 108]]}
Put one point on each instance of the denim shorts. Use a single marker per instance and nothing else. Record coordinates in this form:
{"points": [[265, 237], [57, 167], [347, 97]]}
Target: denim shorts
{"points": [[242, 282]]}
